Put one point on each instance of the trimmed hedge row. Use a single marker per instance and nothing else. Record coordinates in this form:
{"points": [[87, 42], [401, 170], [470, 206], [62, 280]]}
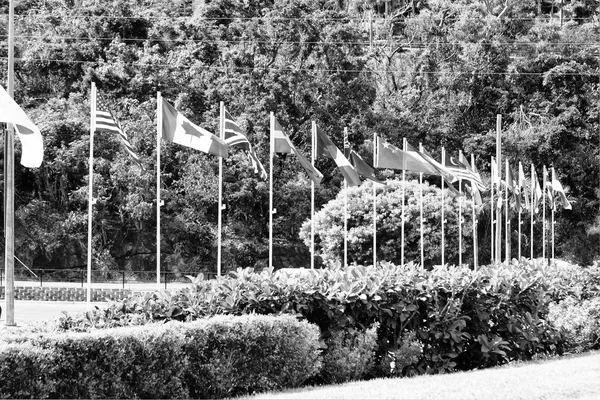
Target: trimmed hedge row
{"points": [[458, 319], [218, 357]]}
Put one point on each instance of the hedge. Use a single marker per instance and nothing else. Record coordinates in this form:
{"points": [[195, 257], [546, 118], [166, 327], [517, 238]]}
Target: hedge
{"points": [[210, 358], [458, 318]]}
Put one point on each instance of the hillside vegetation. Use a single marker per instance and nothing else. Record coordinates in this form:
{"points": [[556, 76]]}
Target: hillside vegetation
{"points": [[436, 72]]}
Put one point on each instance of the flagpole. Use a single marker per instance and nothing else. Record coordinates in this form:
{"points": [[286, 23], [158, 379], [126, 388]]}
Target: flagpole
{"points": [[552, 208], [345, 215], [271, 151], [460, 216], [9, 184], [499, 174], [492, 209], [544, 213], [531, 211], [159, 118], [402, 237], [421, 214], [443, 217], [475, 249], [506, 217], [90, 195], [374, 203], [519, 220], [460, 223], [312, 197], [220, 211]]}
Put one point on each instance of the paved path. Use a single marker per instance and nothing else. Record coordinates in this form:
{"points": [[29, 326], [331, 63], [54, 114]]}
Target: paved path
{"points": [[27, 311]]}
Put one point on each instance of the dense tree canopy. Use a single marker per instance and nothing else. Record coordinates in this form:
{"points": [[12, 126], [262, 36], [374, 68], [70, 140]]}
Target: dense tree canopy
{"points": [[436, 72]]}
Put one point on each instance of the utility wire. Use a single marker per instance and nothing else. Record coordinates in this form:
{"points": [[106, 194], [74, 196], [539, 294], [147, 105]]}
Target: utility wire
{"points": [[313, 70]]}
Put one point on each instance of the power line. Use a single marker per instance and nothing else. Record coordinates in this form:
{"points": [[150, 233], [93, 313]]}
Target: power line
{"points": [[270, 18], [315, 70], [274, 41]]}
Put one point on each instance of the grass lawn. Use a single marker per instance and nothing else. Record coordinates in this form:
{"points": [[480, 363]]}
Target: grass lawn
{"points": [[574, 377]]}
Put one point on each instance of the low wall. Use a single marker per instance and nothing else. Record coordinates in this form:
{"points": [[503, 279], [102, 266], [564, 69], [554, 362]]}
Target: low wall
{"points": [[67, 294]]}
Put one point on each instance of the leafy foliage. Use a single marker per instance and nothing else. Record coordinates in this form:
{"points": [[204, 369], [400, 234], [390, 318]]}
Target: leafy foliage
{"points": [[461, 319], [329, 224], [439, 73], [212, 358]]}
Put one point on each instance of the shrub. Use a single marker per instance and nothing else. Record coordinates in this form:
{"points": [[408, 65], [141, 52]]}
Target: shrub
{"points": [[329, 223], [463, 319], [218, 357], [350, 355], [579, 320]]}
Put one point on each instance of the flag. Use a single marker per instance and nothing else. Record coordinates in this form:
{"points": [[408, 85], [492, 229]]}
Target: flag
{"points": [[283, 144], [475, 178], [105, 122], [235, 137], [537, 193], [346, 144], [523, 185], [475, 184], [441, 170], [512, 185], [458, 169], [326, 148], [389, 156], [363, 168], [178, 129], [547, 185], [32, 143], [495, 178], [562, 197]]}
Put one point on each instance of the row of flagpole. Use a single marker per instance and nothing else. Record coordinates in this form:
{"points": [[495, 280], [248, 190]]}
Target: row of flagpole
{"points": [[177, 129]]}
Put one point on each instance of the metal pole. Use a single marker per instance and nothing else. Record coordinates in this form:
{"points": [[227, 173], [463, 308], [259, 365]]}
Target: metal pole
{"points": [[544, 213], [403, 237], [9, 184], [374, 204], [90, 195], [158, 200], [345, 215], [220, 211], [475, 244], [506, 217], [421, 213], [312, 196], [492, 184], [272, 150], [499, 174], [532, 209], [460, 223], [443, 216]]}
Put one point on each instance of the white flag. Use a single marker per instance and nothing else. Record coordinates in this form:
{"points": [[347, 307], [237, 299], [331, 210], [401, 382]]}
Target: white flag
{"points": [[29, 134]]}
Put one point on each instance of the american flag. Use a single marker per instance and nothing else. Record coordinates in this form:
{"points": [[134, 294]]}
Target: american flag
{"points": [[105, 122]]}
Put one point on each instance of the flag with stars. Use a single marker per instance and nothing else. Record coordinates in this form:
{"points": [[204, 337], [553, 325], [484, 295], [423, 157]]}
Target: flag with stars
{"points": [[105, 122]]}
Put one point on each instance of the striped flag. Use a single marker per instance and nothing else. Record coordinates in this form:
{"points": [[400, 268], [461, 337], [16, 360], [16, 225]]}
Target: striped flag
{"points": [[558, 188], [363, 168], [476, 185], [523, 186], [458, 169], [537, 193], [326, 148], [283, 144], [105, 122], [235, 137]]}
